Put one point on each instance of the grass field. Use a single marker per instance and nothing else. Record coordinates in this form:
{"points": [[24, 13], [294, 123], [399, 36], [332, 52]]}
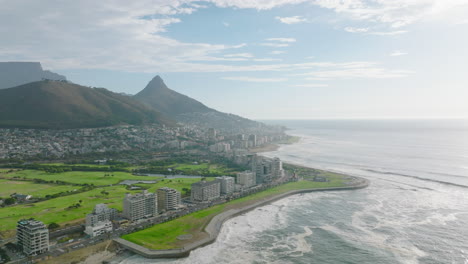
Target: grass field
{"points": [[8, 187], [56, 210], [202, 167], [164, 236], [177, 184], [80, 177]]}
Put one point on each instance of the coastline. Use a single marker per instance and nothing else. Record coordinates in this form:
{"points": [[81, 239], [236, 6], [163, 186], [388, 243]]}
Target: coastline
{"points": [[214, 226]]}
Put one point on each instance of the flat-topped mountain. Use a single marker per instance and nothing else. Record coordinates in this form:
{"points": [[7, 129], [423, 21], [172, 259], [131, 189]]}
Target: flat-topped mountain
{"points": [[18, 73], [58, 104], [188, 110]]}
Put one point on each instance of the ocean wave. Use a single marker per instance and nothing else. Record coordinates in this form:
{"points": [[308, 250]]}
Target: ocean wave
{"points": [[415, 177]]}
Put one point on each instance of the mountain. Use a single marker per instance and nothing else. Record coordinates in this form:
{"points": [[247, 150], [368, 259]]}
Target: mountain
{"points": [[170, 103], [17, 73], [188, 110], [58, 104]]}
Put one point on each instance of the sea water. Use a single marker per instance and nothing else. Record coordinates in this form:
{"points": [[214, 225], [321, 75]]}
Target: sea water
{"points": [[414, 211]]}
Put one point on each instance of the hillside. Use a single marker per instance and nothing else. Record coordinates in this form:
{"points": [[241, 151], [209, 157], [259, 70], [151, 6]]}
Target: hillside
{"points": [[188, 110], [18, 73], [58, 104]]}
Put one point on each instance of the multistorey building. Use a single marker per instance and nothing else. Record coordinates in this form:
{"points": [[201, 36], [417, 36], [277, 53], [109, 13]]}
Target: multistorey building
{"points": [[205, 191], [100, 213], [246, 179], [168, 199], [32, 237], [99, 221], [227, 184], [140, 205]]}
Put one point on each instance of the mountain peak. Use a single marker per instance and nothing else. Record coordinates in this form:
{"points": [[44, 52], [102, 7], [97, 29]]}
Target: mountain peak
{"points": [[156, 83]]}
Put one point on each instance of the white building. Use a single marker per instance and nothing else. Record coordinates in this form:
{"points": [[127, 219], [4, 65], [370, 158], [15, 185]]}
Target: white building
{"points": [[227, 184], [140, 205], [100, 213], [32, 237], [246, 179], [205, 191], [99, 228], [168, 199]]}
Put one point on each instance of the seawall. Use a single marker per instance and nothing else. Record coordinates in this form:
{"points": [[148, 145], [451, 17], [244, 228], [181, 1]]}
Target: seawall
{"points": [[214, 226]]}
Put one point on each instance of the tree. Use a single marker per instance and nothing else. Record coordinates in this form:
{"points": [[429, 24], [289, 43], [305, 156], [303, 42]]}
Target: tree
{"points": [[53, 225], [10, 201]]}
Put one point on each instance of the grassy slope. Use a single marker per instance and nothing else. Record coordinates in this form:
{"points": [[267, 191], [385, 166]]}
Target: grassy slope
{"points": [[8, 187], [55, 210], [80, 177], [164, 236]]}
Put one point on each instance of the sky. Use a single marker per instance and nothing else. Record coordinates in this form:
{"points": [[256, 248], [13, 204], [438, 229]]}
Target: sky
{"points": [[261, 59]]}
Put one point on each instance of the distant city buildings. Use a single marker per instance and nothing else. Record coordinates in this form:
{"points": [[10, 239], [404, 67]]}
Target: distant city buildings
{"points": [[168, 199], [32, 237], [227, 184], [267, 169], [140, 205], [99, 221], [205, 191], [246, 179]]}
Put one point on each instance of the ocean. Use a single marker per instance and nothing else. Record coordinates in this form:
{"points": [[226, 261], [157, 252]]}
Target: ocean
{"points": [[414, 211]]}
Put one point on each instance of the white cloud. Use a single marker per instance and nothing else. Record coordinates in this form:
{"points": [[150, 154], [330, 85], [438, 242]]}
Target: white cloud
{"points": [[275, 45], [267, 59], [396, 13], [243, 55], [356, 30], [398, 53], [277, 52], [312, 85], [226, 24], [254, 79], [291, 20], [282, 39], [388, 33]]}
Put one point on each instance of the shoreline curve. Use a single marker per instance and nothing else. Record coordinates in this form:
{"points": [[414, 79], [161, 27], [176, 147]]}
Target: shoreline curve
{"points": [[213, 228]]}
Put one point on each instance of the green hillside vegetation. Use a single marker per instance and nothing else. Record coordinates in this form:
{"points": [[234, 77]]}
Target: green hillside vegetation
{"points": [[8, 187], [57, 104], [57, 210], [79, 177]]}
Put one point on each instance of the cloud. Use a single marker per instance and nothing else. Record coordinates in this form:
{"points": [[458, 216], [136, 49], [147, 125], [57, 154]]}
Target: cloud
{"points": [[282, 39], [398, 53], [267, 59], [356, 30], [396, 13], [311, 85], [276, 45], [388, 33], [226, 24], [243, 55], [277, 52], [291, 20], [254, 79]]}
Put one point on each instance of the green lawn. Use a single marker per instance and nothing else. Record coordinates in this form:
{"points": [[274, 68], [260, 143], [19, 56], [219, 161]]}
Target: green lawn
{"points": [[8, 187], [177, 184], [56, 210], [164, 236], [80, 177]]}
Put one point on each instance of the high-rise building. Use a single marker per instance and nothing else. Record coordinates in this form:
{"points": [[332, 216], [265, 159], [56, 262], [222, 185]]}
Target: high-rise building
{"points": [[246, 179], [168, 199], [100, 213], [206, 191], [32, 237], [227, 184], [277, 168], [140, 205]]}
